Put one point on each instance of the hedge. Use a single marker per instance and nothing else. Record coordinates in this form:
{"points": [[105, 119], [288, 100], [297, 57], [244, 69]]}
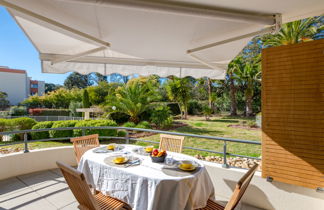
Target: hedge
{"points": [[49, 112], [62, 133], [96, 123], [43, 134]]}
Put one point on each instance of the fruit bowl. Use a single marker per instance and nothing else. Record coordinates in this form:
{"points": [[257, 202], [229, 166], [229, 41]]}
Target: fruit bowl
{"points": [[158, 159], [158, 156]]}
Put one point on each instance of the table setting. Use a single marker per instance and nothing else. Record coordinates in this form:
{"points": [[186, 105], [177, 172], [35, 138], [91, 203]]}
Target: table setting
{"points": [[147, 178]]}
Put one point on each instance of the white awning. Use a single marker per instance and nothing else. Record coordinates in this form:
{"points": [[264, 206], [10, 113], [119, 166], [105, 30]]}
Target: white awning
{"points": [[181, 38]]}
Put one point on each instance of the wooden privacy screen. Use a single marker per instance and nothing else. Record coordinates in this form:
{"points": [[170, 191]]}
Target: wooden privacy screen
{"points": [[293, 114]]}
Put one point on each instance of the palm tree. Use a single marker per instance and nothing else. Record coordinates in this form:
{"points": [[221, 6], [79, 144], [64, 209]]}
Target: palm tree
{"points": [[294, 32], [132, 99], [248, 74], [179, 90], [233, 66]]}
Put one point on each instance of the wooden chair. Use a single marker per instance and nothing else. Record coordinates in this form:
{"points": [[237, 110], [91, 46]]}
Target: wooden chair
{"points": [[171, 143], [83, 144], [240, 188], [82, 193]]}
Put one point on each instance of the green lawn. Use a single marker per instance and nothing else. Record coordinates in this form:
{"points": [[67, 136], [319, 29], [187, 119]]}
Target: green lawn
{"points": [[217, 126]]}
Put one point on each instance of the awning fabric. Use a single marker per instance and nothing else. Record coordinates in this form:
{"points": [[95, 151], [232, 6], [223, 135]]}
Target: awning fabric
{"points": [[148, 37]]}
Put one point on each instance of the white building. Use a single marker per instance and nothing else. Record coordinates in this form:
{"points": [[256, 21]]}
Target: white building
{"points": [[18, 85]]}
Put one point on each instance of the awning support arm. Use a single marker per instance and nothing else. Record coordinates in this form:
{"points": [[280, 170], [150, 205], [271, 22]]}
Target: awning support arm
{"points": [[54, 23], [79, 55], [263, 31], [200, 60]]}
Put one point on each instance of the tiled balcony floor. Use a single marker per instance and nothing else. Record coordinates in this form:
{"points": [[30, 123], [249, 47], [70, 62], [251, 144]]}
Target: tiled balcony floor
{"points": [[42, 190]]}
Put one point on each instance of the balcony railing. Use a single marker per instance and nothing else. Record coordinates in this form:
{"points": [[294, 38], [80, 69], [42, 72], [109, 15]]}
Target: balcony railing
{"points": [[127, 139]]}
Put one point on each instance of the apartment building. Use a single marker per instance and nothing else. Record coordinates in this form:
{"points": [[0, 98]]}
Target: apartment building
{"points": [[18, 85]]}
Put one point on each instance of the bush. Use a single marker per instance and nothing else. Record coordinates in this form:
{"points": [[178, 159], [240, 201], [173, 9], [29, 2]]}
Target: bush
{"points": [[23, 123], [143, 124], [49, 112], [174, 108], [119, 117], [62, 124], [96, 123], [18, 111], [3, 126], [43, 134], [129, 125], [121, 133], [194, 107], [161, 116], [207, 111]]}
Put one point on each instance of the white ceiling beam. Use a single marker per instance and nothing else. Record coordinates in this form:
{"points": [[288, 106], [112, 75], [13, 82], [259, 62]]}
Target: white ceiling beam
{"points": [[122, 61], [54, 23], [207, 46], [79, 55], [186, 9]]}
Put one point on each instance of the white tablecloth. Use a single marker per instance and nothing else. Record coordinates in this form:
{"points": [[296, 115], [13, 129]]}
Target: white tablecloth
{"points": [[146, 186]]}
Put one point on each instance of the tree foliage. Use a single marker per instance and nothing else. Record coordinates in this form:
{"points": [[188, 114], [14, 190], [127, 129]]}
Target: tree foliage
{"points": [[4, 103], [179, 90], [132, 99], [76, 80]]}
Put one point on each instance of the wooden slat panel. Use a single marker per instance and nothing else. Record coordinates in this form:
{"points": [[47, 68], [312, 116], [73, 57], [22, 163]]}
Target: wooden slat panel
{"points": [[293, 114]]}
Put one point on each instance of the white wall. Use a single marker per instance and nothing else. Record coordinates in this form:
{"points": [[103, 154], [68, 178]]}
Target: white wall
{"points": [[41, 88], [37, 160], [14, 84]]}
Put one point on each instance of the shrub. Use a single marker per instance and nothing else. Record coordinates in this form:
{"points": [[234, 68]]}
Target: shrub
{"points": [[63, 133], [121, 133], [49, 112], [23, 123], [96, 123], [207, 111], [143, 124], [119, 117], [43, 134], [252, 124], [129, 125], [3, 126], [161, 116], [18, 111], [174, 108], [194, 107]]}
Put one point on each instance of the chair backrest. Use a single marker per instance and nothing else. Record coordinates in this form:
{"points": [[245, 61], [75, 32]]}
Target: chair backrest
{"points": [[78, 186], [83, 144], [240, 188], [171, 143]]}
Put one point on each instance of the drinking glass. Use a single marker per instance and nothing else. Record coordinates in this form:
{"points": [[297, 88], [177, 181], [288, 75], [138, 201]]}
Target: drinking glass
{"points": [[169, 160]]}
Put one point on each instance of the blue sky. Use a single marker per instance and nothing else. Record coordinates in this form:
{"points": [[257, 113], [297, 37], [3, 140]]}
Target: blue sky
{"points": [[17, 52]]}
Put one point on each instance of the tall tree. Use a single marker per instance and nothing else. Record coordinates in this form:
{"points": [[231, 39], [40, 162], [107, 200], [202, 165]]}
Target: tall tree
{"points": [[85, 99], [76, 80], [179, 90], [248, 75], [49, 87]]}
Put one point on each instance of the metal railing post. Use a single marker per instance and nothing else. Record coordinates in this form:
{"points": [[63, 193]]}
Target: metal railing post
{"points": [[127, 137], [83, 132], [225, 165], [26, 143]]}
